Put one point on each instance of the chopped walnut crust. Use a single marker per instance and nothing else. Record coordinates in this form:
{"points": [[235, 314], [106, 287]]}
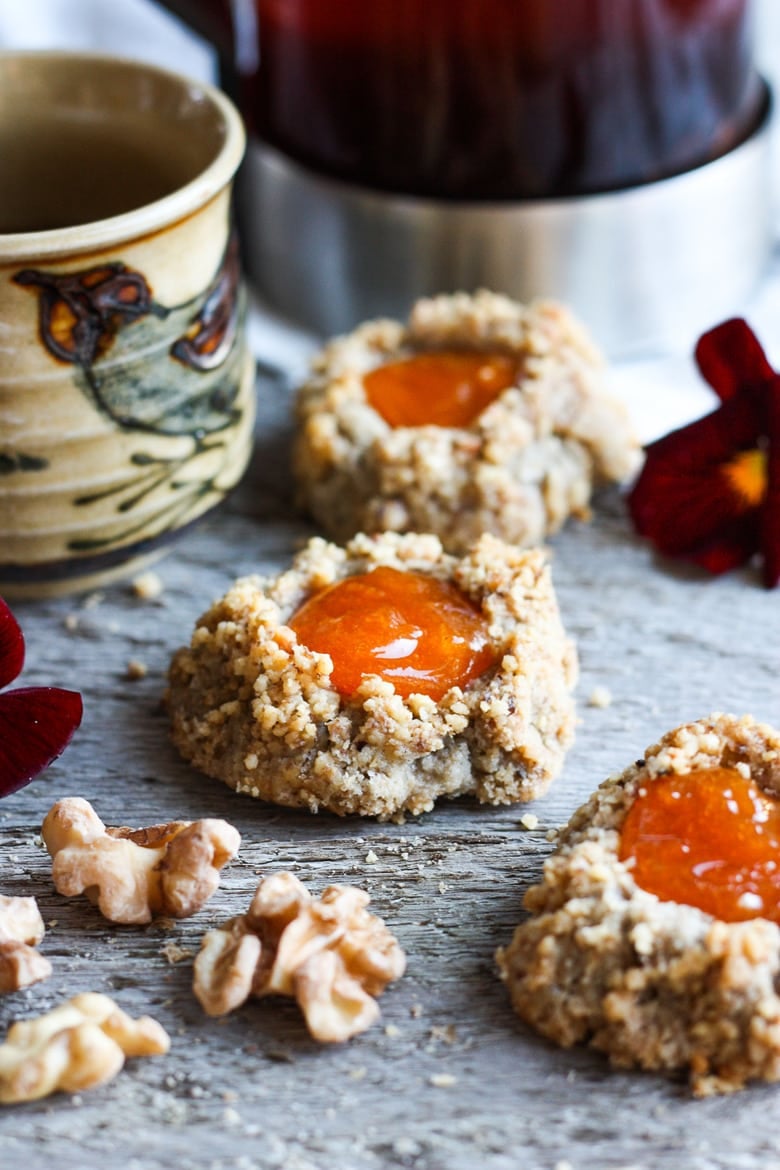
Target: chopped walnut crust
{"points": [[21, 927], [80, 1044], [136, 874], [654, 984], [528, 462], [330, 954], [254, 708]]}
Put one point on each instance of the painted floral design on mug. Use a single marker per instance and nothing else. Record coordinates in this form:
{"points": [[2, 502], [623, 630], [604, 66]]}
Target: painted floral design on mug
{"points": [[173, 371], [213, 331], [80, 312], [85, 319]]}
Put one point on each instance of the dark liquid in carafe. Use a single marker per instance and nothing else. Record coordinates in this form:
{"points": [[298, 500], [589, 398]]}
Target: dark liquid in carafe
{"points": [[503, 98]]}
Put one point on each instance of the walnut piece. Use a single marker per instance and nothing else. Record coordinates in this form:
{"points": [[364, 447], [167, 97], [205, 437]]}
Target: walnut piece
{"points": [[136, 874], [21, 927], [80, 1044], [330, 954]]}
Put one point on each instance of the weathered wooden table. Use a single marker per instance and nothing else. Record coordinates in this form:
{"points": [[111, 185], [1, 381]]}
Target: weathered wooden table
{"points": [[450, 1079]]}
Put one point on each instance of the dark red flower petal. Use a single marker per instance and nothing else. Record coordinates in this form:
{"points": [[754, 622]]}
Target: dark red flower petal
{"points": [[730, 358], [734, 545], [683, 500], [11, 646], [36, 724], [770, 522]]}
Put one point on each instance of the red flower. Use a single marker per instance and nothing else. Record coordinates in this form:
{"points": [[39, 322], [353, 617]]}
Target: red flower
{"points": [[710, 491], [36, 723]]}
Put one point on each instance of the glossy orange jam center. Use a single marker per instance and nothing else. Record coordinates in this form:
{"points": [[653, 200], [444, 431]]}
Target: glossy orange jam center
{"points": [[446, 388], [420, 634], [709, 839]]}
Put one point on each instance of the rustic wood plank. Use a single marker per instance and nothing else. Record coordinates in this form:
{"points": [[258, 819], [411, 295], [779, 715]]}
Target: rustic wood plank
{"points": [[255, 1091]]}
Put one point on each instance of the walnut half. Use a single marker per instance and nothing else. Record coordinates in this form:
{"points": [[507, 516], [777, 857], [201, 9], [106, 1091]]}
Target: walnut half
{"points": [[21, 927], [135, 874], [80, 1044], [330, 954]]}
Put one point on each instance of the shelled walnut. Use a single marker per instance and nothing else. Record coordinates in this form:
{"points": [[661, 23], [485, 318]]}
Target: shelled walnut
{"points": [[21, 928], [134, 875], [330, 954], [80, 1044]]}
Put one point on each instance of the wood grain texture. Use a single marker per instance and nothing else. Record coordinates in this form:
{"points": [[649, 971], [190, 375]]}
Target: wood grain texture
{"points": [[254, 1091]]}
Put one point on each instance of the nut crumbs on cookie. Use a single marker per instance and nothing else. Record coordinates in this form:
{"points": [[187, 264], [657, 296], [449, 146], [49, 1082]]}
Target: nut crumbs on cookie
{"points": [[653, 981], [246, 691]]}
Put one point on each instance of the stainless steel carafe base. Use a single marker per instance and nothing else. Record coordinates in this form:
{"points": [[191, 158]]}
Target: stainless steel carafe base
{"points": [[647, 268]]}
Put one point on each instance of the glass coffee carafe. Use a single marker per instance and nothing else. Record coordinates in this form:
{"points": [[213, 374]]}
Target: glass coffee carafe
{"points": [[612, 153], [491, 99]]}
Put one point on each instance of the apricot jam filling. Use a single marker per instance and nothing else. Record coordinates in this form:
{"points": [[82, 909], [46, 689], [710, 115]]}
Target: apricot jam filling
{"points": [[444, 388], [416, 632], [710, 839]]}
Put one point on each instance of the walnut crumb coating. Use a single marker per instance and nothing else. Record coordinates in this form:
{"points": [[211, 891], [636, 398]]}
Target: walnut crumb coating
{"points": [[253, 707], [653, 983], [526, 463]]}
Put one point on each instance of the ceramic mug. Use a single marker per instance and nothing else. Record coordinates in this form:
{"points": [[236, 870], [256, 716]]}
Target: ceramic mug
{"points": [[126, 381]]}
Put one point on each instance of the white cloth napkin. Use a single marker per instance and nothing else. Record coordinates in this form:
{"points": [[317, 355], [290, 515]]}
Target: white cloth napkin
{"points": [[131, 28]]}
